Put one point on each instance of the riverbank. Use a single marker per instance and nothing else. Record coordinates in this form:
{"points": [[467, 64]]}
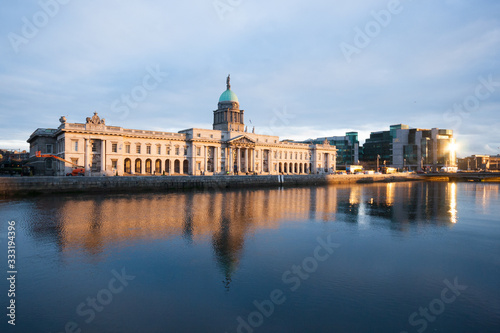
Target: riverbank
{"points": [[25, 186]]}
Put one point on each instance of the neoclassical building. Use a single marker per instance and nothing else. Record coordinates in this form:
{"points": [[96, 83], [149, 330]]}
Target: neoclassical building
{"points": [[226, 149]]}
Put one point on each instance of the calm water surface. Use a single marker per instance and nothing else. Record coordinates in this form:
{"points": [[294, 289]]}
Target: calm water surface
{"points": [[409, 257]]}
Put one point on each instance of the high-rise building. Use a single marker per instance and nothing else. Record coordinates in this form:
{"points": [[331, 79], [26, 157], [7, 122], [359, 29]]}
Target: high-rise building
{"points": [[408, 148]]}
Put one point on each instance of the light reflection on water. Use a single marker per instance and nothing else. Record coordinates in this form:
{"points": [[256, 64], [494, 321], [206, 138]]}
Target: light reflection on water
{"points": [[223, 250]]}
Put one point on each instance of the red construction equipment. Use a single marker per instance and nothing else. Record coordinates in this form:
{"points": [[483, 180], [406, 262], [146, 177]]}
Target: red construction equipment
{"points": [[77, 171]]}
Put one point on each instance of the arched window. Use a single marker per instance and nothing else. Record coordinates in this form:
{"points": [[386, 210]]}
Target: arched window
{"points": [[167, 166], [158, 166], [148, 165], [127, 166], [185, 167], [177, 166], [138, 166]]}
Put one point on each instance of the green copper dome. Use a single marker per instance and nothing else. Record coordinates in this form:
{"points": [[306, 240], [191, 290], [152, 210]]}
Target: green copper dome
{"points": [[228, 96]]}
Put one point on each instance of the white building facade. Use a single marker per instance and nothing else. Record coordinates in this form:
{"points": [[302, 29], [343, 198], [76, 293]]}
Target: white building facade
{"points": [[226, 149]]}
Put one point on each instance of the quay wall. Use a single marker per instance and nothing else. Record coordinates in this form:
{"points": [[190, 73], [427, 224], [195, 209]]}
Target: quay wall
{"points": [[21, 186]]}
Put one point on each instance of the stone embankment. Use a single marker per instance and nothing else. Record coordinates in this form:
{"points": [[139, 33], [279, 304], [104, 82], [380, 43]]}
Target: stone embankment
{"points": [[22, 186]]}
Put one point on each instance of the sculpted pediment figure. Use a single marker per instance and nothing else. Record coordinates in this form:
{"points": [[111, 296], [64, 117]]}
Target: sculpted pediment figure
{"points": [[95, 120]]}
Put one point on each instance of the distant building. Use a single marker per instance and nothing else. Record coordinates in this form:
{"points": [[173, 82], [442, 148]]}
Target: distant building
{"points": [[479, 163], [408, 148], [228, 148], [348, 150]]}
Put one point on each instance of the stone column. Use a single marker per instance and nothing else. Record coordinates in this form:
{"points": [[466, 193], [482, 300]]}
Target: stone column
{"points": [[87, 157], [229, 161], [216, 160], [270, 162], [246, 160], [103, 156], [238, 152], [252, 160], [205, 160]]}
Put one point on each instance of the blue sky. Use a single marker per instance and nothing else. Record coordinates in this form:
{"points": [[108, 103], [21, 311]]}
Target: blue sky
{"points": [[300, 69]]}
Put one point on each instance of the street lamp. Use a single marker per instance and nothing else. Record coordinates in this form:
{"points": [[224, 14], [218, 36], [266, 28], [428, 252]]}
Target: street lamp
{"points": [[378, 157]]}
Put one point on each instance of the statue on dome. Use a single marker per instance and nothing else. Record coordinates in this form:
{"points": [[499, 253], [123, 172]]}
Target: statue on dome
{"points": [[228, 82]]}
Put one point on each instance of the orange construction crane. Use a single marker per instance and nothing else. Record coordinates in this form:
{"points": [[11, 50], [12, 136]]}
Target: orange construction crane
{"points": [[77, 171]]}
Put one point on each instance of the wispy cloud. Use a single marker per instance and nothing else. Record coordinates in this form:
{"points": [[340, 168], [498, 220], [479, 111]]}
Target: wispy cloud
{"points": [[279, 53]]}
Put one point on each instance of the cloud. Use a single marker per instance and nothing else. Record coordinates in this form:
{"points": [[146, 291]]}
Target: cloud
{"points": [[281, 54]]}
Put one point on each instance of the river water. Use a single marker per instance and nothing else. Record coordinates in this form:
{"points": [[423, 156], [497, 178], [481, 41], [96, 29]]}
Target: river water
{"points": [[405, 257]]}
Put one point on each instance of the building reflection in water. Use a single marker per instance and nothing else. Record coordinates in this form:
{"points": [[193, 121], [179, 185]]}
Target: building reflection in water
{"points": [[92, 224]]}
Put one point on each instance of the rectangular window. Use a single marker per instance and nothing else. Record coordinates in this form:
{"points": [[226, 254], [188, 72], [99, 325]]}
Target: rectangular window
{"points": [[138, 149], [50, 149], [74, 161], [148, 150], [94, 146], [176, 150], [75, 145], [168, 150], [127, 149], [158, 150], [185, 150], [114, 164], [198, 151], [114, 147]]}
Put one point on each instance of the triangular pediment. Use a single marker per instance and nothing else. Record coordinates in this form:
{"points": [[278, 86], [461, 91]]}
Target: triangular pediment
{"points": [[241, 139]]}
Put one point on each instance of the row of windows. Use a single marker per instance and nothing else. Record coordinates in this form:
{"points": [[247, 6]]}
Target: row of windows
{"points": [[177, 151], [138, 149]]}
